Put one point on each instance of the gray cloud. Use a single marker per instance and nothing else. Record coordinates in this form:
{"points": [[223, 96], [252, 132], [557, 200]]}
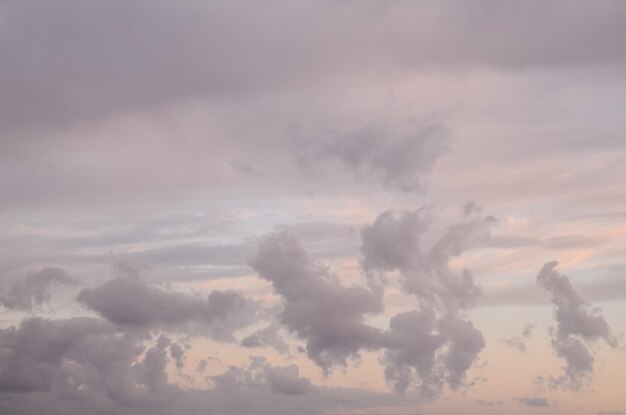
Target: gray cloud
{"points": [[56, 358], [394, 242], [127, 301], [426, 348], [445, 345], [69, 65], [268, 336], [317, 307], [575, 325], [399, 158], [55, 367], [532, 401], [33, 289], [519, 342], [482, 402]]}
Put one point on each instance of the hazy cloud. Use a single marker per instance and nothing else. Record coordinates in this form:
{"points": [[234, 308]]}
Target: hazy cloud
{"points": [[519, 342], [23, 293], [399, 158], [532, 401]]}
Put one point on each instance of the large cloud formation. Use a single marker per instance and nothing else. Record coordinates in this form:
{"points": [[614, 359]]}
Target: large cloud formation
{"points": [[575, 326], [435, 344], [195, 49], [425, 348], [88, 365]]}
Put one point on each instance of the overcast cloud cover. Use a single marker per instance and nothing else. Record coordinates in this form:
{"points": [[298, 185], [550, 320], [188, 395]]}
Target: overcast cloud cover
{"points": [[329, 207]]}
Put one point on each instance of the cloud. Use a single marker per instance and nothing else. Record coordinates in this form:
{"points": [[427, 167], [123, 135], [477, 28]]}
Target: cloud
{"points": [[519, 342], [186, 52], [393, 242], [128, 301], [575, 326], [399, 158], [423, 349], [281, 380], [482, 402], [434, 345], [535, 402], [33, 289], [317, 307], [268, 336], [55, 367], [79, 357]]}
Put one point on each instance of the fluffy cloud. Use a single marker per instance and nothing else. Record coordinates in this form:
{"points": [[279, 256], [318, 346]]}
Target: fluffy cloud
{"points": [[34, 289], [317, 307], [435, 345], [55, 367], [126, 300], [394, 242], [575, 326], [423, 349]]}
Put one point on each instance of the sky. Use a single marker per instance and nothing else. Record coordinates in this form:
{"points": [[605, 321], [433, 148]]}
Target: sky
{"points": [[335, 207]]}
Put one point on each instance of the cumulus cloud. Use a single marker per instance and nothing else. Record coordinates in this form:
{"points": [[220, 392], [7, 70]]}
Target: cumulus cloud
{"points": [[34, 289], [78, 365], [394, 242], [126, 300], [317, 307], [434, 345], [575, 326], [425, 348], [79, 358]]}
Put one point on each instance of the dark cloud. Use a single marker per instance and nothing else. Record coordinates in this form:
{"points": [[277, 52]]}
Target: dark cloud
{"points": [[32, 290], [127, 301], [575, 326]]}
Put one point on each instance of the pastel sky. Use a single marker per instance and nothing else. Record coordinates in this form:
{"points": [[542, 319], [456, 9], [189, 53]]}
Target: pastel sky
{"points": [[326, 207]]}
